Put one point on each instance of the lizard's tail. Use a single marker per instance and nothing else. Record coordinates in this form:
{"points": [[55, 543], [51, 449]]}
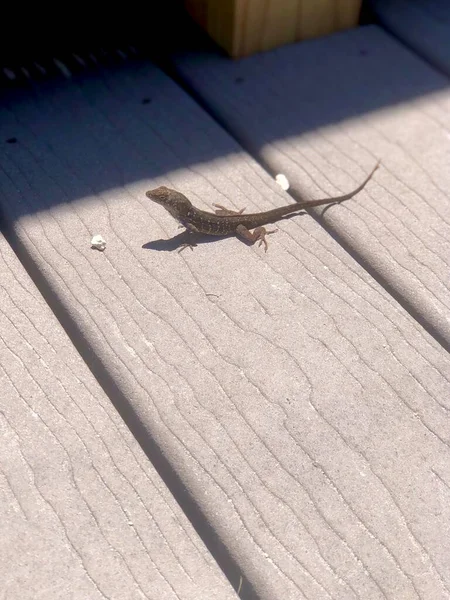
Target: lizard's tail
{"points": [[321, 201]]}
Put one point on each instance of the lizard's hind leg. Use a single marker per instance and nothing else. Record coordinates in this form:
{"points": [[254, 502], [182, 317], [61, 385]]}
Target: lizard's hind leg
{"points": [[258, 234], [226, 212]]}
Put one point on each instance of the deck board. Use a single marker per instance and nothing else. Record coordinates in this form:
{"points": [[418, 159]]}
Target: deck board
{"points": [[83, 512], [322, 113], [304, 411]]}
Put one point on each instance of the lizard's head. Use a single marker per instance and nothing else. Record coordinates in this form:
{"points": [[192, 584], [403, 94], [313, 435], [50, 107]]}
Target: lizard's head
{"points": [[174, 202]]}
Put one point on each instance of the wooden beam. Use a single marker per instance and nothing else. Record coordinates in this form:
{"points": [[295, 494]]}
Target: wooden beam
{"points": [[243, 27]]}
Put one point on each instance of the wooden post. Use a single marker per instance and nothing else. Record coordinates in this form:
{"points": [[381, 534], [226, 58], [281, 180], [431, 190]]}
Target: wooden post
{"points": [[243, 27]]}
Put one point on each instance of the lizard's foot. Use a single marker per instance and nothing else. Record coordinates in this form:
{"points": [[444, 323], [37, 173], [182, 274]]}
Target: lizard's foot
{"points": [[226, 212], [257, 235], [261, 232], [190, 245], [190, 242]]}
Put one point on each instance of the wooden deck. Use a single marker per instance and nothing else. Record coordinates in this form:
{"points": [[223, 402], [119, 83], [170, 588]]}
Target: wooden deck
{"points": [[228, 423]]}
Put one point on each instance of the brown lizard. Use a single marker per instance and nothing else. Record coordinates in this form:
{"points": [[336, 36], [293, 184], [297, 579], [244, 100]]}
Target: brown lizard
{"points": [[228, 222]]}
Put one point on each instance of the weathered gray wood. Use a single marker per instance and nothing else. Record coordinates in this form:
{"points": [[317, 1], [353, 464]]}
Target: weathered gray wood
{"points": [[304, 410], [424, 25], [83, 513], [322, 113]]}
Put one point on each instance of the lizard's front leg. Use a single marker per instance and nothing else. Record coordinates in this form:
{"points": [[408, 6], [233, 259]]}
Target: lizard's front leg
{"points": [[191, 232], [258, 234]]}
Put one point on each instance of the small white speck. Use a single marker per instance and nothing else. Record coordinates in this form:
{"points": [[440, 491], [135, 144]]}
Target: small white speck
{"points": [[282, 181], [98, 242]]}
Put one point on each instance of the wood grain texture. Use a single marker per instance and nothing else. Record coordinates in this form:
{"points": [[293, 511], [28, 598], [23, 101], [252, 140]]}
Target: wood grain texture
{"points": [[247, 26], [326, 111], [83, 513], [304, 410]]}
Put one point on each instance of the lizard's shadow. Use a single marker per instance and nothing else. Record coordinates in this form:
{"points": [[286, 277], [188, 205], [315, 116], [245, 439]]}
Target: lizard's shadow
{"points": [[179, 240]]}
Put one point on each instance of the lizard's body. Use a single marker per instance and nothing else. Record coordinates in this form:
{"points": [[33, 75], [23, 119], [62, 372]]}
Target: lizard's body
{"points": [[227, 222]]}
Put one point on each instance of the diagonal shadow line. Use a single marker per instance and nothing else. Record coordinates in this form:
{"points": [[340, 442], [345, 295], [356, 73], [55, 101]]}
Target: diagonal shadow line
{"points": [[198, 519], [391, 289]]}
